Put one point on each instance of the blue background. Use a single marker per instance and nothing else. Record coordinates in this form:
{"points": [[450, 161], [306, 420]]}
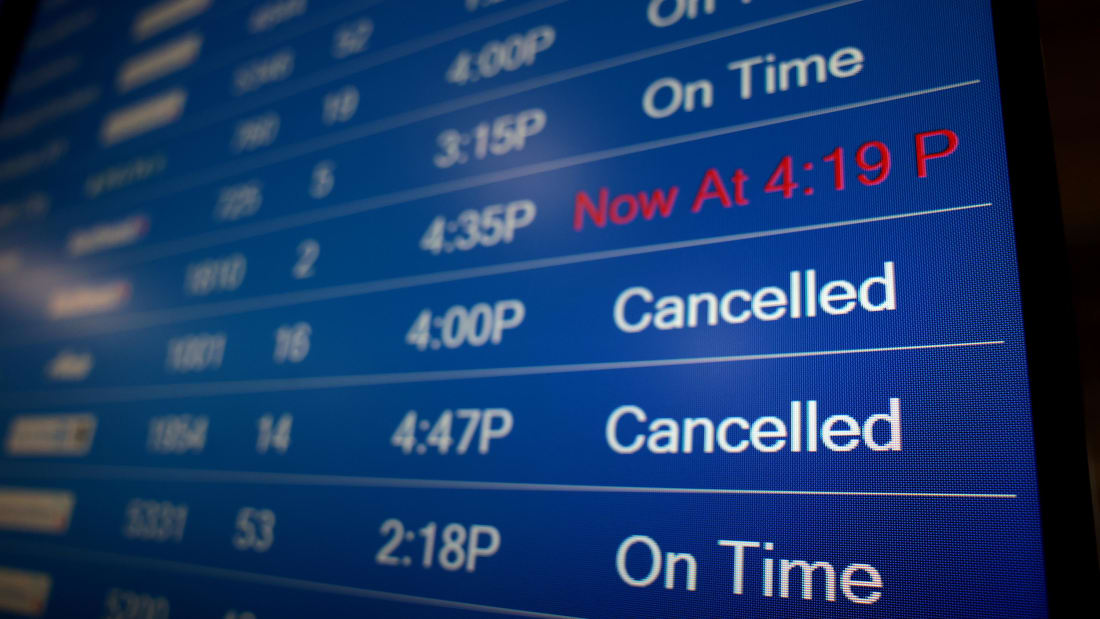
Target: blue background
{"points": [[965, 410]]}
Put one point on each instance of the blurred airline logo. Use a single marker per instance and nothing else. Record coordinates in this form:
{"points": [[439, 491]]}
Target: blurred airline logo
{"points": [[70, 366], [23, 592], [10, 262], [106, 236], [34, 205], [83, 300], [50, 435], [124, 174], [159, 62], [70, 103], [35, 510], [157, 18], [142, 117], [34, 160]]}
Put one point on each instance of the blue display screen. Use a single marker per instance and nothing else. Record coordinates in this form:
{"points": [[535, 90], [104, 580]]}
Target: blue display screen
{"points": [[543, 308]]}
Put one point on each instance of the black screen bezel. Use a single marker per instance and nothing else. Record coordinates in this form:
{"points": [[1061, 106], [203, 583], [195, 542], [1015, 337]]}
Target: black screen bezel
{"points": [[15, 22], [1069, 544]]}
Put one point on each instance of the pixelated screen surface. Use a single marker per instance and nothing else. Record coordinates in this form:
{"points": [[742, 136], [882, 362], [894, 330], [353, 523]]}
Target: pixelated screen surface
{"points": [[527, 307]]}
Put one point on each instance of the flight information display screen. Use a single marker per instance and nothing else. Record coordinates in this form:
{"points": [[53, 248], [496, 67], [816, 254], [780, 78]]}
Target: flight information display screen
{"points": [[544, 308]]}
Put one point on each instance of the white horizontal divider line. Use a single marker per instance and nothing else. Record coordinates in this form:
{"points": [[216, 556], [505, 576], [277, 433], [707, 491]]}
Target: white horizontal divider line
{"points": [[285, 582], [141, 473], [90, 395], [220, 237], [167, 316], [381, 125], [139, 320]]}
